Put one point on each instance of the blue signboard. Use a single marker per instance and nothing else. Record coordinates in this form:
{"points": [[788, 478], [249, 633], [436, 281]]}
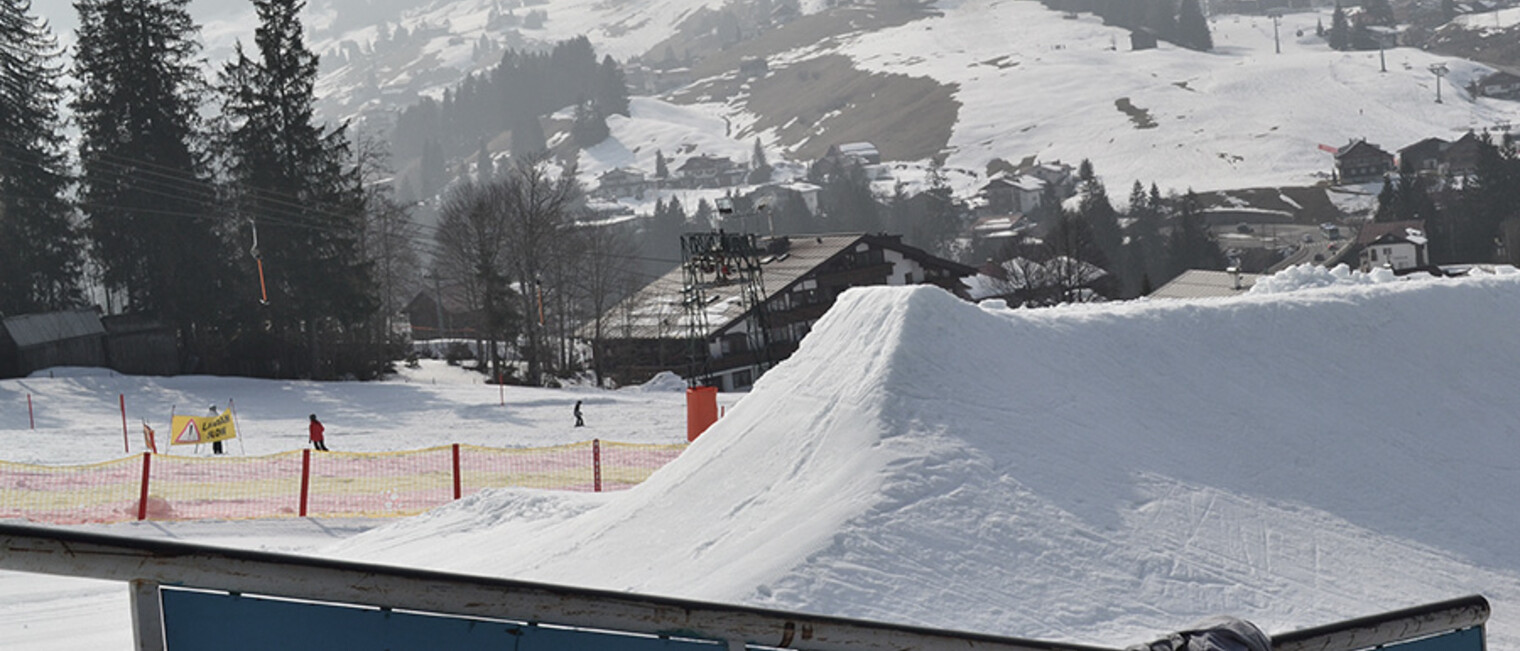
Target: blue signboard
{"points": [[210, 620], [1467, 639]]}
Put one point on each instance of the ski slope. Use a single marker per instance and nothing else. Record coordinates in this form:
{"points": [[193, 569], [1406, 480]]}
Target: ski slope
{"points": [[1329, 446]]}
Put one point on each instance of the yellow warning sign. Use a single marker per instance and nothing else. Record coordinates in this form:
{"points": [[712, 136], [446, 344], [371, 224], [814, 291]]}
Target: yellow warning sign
{"points": [[189, 430]]}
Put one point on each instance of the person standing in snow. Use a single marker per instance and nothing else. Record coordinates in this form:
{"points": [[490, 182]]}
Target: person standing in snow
{"points": [[579, 422], [216, 446], [316, 429]]}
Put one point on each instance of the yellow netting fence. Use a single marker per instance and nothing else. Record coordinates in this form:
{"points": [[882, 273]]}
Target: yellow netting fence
{"points": [[305, 483]]}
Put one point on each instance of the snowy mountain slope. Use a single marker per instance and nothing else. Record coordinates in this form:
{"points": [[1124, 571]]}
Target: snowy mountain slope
{"points": [[1090, 474], [1024, 82]]}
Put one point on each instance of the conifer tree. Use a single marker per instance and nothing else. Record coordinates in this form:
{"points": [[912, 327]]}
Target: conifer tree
{"points": [[40, 265], [1144, 247], [1379, 12], [144, 182], [612, 88], [1339, 37], [1193, 28], [296, 180], [1096, 209], [661, 167], [759, 168], [528, 136], [1192, 246], [589, 127], [1161, 17]]}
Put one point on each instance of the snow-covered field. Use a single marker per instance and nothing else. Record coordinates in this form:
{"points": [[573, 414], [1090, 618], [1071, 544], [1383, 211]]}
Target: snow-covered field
{"points": [[1329, 446]]}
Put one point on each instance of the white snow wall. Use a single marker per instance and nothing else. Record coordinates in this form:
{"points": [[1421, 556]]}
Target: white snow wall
{"points": [[1096, 474]]}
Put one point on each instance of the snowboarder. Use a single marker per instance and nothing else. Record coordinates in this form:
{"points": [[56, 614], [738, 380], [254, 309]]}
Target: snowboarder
{"points": [[216, 446], [316, 429], [579, 422]]}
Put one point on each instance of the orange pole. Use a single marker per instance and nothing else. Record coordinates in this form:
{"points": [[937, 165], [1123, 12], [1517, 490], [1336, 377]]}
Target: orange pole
{"points": [[263, 293], [701, 410]]}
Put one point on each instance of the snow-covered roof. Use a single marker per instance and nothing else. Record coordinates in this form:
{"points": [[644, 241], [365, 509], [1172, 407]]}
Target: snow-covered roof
{"points": [[1203, 283], [29, 330]]}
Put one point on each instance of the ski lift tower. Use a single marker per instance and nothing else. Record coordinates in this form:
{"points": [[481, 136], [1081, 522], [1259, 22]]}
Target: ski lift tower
{"points": [[716, 266]]}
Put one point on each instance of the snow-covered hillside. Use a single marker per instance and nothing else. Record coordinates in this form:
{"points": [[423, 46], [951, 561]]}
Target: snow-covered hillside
{"points": [[1329, 446], [1028, 82], [1032, 83]]}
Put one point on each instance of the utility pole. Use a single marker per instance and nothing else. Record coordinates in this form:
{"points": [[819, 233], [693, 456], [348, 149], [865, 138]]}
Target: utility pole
{"points": [[1439, 70], [1276, 15]]}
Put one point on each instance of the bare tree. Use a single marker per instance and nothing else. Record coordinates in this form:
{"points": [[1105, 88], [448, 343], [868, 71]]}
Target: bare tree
{"points": [[387, 237], [605, 269], [474, 247], [537, 207]]}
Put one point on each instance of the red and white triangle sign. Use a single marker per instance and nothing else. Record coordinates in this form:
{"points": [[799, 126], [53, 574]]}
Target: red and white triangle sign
{"points": [[190, 433]]}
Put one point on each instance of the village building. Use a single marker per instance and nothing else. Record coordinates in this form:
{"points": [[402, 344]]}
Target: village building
{"points": [[622, 183], [1205, 283], [653, 331], [32, 342], [854, 153], [1499, 85], [1424, 157], [1058, 176], [447, 312], [1394, 245], [1460, 158], [705, 171], [1017, 194], [770, 196], [1362, 162]]}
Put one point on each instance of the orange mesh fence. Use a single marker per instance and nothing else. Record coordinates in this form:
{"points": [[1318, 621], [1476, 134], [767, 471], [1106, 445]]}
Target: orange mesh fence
{"points": [[305, 483]]}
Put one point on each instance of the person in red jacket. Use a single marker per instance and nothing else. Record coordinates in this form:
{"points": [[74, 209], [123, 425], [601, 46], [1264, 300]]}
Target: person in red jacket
{"points": [[317, 440]]}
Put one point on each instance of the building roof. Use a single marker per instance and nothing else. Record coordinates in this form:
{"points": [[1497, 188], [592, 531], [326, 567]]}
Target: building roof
{"points": [[657, 311], [858, 149], [703, 161], [1374, 230], [1203, 283], [1360, 148], [1426, 146], [29, 330]]}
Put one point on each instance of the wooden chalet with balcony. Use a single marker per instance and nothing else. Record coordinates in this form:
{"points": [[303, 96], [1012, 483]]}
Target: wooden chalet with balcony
{"points": [[802, 275]]}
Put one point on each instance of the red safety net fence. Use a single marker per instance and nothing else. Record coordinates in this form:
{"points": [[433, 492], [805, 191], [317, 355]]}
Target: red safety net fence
{"points": [[304, 483]]}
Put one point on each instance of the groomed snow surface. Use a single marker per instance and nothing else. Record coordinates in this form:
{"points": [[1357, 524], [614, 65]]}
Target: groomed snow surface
{"points": [[1329, 446]]}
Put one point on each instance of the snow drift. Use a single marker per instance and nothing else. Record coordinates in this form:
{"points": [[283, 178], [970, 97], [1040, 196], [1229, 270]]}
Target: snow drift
{"points": [[1092, 474]]}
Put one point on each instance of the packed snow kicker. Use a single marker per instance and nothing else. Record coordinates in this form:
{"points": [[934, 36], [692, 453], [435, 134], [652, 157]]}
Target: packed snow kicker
{"points": [[1096, 474]]}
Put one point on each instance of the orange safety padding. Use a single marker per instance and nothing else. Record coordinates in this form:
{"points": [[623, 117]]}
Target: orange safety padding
{"points": [[701, 410]]}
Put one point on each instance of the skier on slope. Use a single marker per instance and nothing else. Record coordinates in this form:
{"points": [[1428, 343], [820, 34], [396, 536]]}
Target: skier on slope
{"points": [[216, 446], [315, 431]]}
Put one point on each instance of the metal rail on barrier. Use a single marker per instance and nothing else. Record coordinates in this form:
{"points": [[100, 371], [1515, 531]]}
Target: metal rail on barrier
{"points": [[147, 564]]}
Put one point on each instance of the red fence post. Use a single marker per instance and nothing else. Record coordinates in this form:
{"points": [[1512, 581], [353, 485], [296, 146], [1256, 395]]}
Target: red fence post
{"points": [[29, 417], [142, 499], [124, 448], [456, 472], [596, 464], [305, 478]]}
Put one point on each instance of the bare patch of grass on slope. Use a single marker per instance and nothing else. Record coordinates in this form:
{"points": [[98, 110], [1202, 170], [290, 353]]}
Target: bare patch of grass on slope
{"points": [[827, 101], [696, 36]]}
